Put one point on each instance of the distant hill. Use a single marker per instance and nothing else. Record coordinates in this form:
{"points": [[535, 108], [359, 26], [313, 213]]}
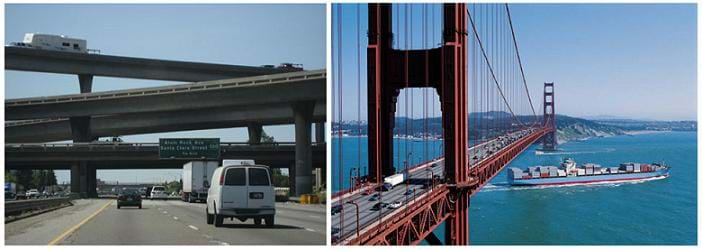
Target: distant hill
{"points": [[568, 128]]}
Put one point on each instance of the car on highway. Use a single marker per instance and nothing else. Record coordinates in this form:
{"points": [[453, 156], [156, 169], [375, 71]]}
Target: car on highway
{"points": [[337, 209], [367, 191], [159, 192], [130, 198], [242, 191], [395, 204], [409, 192], [32, 193]]}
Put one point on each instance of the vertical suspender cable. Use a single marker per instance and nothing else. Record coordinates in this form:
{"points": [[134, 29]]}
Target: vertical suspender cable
{"points": [[339, 105], [358, 85]]}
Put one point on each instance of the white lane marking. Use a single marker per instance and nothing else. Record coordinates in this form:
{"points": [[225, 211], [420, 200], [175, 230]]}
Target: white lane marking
{"points": [[175, 218], [223, 243], [309, 229], [193, 227], [165, 212]]}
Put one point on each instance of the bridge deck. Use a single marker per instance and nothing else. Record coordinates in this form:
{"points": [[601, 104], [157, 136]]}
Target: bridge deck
{"points": [[144, 155]]}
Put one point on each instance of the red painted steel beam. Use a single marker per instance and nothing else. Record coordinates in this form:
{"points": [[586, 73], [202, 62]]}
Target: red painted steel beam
{"points": [[411, 224], [381, 98]]}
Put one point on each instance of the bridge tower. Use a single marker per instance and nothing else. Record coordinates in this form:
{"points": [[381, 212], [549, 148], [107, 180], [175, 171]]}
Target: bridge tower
{"points": [[442, 68], [549, 140]]}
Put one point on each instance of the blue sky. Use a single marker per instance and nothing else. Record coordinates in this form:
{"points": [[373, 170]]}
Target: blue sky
{"points": [[235, 34], [626, 60]]}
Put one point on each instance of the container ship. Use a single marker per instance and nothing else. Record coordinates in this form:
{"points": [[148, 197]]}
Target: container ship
{"points": [[570, 173]]}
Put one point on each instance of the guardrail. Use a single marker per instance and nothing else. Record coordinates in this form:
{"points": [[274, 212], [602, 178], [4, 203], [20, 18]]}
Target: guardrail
{"points": [[16, 207]]}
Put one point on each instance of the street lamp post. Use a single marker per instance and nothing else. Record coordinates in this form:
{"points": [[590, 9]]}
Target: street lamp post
{"points": [[357, 217], [351, 178], [431, 171]]}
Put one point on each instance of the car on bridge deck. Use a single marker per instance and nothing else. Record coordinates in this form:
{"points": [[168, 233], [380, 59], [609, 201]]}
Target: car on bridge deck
{"points": [[395, 204], [129, 197], [378, 206], [243, 191], [375, 197], [337, 209]]}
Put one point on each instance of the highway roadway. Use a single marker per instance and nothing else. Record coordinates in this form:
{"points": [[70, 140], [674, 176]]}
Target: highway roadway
{"points": [[159, 222], [417, 177]]}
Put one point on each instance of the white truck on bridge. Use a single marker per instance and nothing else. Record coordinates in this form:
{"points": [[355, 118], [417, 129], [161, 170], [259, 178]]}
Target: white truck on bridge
{"points": [[53, 42], [196, 180], [393, 180]]}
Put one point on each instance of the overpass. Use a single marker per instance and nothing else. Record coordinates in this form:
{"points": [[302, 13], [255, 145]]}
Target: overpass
{"points": [[34, 60], [144, 155], [221, 96]]}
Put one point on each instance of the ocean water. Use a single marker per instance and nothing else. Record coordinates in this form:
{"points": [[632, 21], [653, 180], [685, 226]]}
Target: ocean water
{"points": [[417, 150], [660, 211]]}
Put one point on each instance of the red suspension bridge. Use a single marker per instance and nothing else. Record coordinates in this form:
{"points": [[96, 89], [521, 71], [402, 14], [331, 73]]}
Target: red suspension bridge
{"points": [[454, 61]]}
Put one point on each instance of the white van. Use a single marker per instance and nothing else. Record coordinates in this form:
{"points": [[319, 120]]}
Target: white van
{"points": [[242, 192]]}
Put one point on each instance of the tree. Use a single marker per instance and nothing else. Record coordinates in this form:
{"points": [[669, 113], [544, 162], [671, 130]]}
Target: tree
{"points": [[173, 186], [38, 179], [51, 178], [280, 180], [10, 177], [265, 138], [24, 178]]}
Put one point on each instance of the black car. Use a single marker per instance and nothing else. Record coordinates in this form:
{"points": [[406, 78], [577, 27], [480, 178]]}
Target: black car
{"points": [[129, 197], [337, 209], [374, 197], [378, 206]]}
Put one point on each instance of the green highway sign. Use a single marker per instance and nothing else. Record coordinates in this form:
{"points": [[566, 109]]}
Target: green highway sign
{"points": [[188, 148]]}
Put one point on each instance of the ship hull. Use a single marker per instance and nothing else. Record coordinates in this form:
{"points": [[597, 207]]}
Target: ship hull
{"points": [[588, 178]]}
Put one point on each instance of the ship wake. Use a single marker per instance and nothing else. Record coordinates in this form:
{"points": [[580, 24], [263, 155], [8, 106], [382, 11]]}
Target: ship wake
{"points": [[606, 150]]}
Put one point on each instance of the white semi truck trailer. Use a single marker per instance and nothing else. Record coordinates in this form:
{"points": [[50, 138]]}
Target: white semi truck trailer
{"points": [[196, 180]]}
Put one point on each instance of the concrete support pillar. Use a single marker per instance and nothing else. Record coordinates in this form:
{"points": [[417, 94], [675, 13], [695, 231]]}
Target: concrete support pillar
{"points": [[304, 178], [91, 181], [86, 83], [79, 179], [291, 178], [83, 177], [255, 132], [80, 129], [319, 132]]}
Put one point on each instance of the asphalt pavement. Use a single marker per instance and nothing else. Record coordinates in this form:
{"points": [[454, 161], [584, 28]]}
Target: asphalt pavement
{"points": [[160, 222]]}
